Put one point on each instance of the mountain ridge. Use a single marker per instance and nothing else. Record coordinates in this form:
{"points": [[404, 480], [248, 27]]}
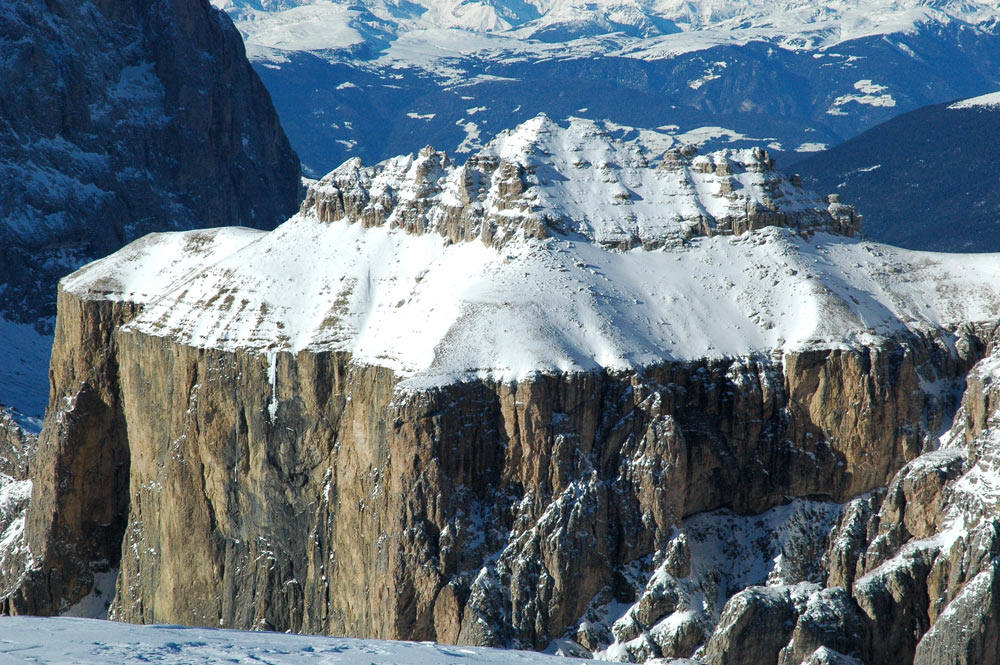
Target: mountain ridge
{"points": [[894, 172], [758, 75]]}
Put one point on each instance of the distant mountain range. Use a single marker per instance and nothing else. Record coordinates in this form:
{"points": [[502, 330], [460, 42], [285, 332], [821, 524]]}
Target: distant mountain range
{"points": [[925, 180], [374, 79]]}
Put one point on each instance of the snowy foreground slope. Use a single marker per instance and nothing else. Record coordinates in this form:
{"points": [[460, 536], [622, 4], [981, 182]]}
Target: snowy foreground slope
{"points": [[64, 641]]}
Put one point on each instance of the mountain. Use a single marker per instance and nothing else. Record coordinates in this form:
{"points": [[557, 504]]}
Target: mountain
{"points": [[118, 119], [557, 395], [926, 180], [375, 79]]}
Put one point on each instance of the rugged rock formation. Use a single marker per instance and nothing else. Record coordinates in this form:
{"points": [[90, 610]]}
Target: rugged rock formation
{"points": [[123, 118], [925, 554], [17, 454], [543, 179], [379, 430], [17, 447], [118, 119], [80, 479], [407, 497]]}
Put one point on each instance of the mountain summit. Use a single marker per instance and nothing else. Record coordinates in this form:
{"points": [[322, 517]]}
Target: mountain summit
{"points": [[554, 248], [542, 177]]}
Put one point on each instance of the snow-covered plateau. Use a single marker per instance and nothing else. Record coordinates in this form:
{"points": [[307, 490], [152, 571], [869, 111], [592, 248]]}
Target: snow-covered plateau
{"points": [[555, 249]]}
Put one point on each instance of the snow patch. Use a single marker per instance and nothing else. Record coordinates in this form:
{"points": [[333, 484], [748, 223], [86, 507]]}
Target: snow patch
{"points": [[96, 603], [471, 141], [872, 94], [991, 100]]}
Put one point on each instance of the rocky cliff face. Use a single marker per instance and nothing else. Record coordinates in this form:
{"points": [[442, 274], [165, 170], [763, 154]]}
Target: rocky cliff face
{"points": [[17, 454], [118, 119], [383, 430], [913, 567], [484, 513]]}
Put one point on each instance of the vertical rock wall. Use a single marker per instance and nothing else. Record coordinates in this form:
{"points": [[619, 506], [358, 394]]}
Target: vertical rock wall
{"points": [[79, 504], [306, 493]]}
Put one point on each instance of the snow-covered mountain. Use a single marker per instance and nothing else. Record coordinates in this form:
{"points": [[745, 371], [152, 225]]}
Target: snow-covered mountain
{"points": [[633, 25], [374, 79], [500, 267], [560, 395], [926, 179]]}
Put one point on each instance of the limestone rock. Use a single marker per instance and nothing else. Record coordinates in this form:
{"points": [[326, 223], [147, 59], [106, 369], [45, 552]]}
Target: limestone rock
{"points": [[17, 447], [831, 623], [968, 631], [756, 624], [512, 186]]}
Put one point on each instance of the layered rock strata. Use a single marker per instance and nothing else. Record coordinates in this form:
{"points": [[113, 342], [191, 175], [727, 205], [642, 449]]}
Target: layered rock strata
{"points": [[520, 185]]}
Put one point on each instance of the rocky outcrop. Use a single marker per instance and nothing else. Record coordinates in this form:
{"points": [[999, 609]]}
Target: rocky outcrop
{"points": [[509, 188], [762, 616], [17, 455], [79, 501], [17, 447], [122, 118], [914, 569]]}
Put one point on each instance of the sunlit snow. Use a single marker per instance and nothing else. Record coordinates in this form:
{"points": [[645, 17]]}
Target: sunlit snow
{"points": [[66, 641]]}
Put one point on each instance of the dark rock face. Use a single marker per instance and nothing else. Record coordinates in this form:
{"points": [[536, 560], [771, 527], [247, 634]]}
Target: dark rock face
{"points": [[121, 118], [937, 160]]}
